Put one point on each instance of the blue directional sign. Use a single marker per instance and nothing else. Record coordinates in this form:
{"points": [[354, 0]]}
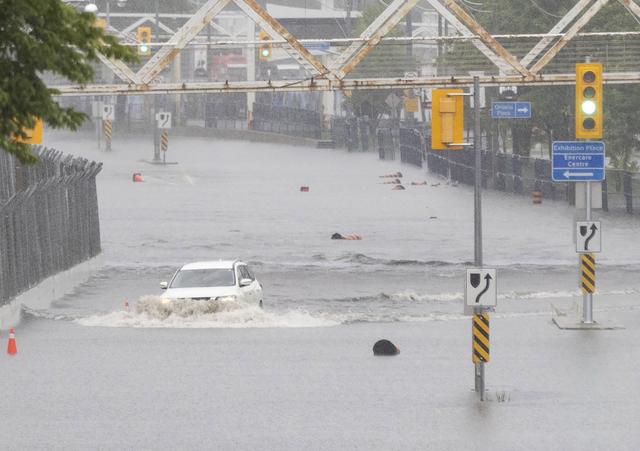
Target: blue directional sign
{"points": [[577, 161], [511, 110]]}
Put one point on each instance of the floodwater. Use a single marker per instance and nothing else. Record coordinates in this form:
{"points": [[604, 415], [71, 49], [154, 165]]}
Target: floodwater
{"points": [[300, 372]]}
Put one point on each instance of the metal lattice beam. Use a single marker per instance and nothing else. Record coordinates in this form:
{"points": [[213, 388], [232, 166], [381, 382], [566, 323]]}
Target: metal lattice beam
{"points": [[502, 65], [255, 12], [384, 23], [570, 34], [120, 69], [181, 38], [486, 38], [330, 85], [512, 71], [558, 28], [632, 7]]}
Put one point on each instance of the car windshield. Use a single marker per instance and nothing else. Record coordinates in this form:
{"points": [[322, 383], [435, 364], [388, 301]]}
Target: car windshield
{"points": [[212, 277]]}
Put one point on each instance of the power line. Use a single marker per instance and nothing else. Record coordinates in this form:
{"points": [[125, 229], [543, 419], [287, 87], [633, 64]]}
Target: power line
{"points": [[541, 9]]}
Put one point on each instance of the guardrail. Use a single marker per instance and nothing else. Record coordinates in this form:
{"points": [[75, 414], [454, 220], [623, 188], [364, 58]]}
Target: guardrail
{"points": [[48, 218]]}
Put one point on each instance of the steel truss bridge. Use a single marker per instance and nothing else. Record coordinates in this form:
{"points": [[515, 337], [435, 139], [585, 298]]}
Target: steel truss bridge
{"points": [[510, 64]]}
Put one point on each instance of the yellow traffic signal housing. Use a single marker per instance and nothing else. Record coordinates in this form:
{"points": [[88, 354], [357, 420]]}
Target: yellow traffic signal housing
{"points": [[143, 37], [589, 100], [265, 49], [34, 135], [447, 119]]}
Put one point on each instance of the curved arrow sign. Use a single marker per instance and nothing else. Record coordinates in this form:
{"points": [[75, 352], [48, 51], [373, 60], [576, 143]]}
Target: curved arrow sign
{"points": [[481, 287], [588, 237]]}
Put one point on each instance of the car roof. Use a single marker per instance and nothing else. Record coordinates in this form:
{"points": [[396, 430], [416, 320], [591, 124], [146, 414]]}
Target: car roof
{"points": [[217, 264]]}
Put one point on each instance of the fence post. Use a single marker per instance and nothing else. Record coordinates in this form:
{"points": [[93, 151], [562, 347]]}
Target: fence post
{"points": [[627, 189]]}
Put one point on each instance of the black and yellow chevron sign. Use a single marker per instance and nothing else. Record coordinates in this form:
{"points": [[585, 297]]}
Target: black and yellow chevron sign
{"points": [[480, 338], [587, 273], [164, 141], [108, 129]]}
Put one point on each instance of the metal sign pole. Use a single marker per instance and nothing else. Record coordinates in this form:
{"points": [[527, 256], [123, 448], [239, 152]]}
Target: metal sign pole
{"points": [[477, 223], [477, 215], [587, 298]]}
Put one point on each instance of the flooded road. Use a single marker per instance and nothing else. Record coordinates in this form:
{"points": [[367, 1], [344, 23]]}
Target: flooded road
{"points": [[299, 372]]}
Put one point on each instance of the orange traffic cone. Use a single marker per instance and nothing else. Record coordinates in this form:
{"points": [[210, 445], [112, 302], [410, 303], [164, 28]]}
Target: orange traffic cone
{"points": [[12, 349]]}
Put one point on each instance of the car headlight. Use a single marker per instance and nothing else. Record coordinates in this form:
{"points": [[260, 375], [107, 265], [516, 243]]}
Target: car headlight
{"points": [[165, 301], [228, 298]]}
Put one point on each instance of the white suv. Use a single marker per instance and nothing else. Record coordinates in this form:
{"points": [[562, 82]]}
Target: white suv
{"points": [[224, 280]]}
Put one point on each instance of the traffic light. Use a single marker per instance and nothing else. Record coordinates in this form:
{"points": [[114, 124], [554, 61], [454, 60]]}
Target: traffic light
{"points": [[265, 49], [447, 119], [143, 37], [589, 100]]}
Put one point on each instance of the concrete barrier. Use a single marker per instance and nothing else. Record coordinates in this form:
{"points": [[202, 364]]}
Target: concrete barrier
{"points": [[48, 290]]}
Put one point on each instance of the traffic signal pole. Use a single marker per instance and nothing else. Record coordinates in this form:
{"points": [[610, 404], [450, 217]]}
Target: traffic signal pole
{"points": [[589, 125]]}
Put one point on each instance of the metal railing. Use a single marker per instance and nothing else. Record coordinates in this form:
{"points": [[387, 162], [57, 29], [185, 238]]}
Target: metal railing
{"points": [[287, 121], [48, 218], [523, 175]]}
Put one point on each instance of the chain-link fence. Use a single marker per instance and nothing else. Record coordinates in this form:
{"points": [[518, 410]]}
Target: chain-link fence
{"points": [[48, 218], [522, 175]]}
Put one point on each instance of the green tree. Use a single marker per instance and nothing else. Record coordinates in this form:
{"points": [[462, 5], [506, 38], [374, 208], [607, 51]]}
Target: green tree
{"points": [[38, 37], [621, 125]]}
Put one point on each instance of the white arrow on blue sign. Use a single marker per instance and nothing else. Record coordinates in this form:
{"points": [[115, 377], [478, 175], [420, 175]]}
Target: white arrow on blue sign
{"points": [[511, 110], [577, 161]]}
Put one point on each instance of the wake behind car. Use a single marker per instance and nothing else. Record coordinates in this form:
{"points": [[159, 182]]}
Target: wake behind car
{"points": [[223, 280]]}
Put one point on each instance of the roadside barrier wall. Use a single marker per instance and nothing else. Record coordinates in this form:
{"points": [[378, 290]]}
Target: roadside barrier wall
{"points": [[48, 218]]}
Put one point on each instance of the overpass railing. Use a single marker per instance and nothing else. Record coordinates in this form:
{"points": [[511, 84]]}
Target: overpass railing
{"points": [[48, 218]]}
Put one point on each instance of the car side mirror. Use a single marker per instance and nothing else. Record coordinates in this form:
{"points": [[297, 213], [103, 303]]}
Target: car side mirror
{"points": [[164, 285], [245, 282]]}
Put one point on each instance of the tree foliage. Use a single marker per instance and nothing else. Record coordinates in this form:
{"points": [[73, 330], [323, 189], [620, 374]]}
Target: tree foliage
{"points": [[39, 37]]}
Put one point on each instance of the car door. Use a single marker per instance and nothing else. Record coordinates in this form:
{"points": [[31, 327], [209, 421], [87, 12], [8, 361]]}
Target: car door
{"points": [[257, 287], [248, 292]]}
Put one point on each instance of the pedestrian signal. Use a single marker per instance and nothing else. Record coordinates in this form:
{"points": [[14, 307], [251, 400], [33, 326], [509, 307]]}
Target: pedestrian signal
{"points": [[589, 100], [447, 119]]}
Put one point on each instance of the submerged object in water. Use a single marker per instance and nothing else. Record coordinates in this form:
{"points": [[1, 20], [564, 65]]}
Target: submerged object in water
{"points": [[385, 347]]}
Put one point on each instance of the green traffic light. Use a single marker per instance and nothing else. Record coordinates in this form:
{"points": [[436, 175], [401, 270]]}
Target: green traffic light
{"points": [[588, 107], [144, 48], [265, 52]]}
